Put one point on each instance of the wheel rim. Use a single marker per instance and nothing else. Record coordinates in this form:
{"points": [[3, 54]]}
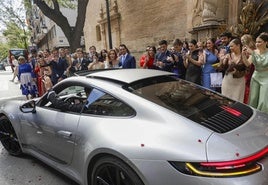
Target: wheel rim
{"points": [[110, 174], [9, 138]]}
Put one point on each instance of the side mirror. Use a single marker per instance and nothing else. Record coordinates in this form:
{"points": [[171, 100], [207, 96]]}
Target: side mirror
{"points": [[28, 107]]}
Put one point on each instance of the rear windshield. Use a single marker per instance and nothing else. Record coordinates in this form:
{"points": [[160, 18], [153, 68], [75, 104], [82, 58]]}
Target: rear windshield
{"points": [[191, 101]]}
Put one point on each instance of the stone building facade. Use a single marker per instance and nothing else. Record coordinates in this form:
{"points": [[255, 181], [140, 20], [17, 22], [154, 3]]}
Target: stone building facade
{"points": [[138, 23]]}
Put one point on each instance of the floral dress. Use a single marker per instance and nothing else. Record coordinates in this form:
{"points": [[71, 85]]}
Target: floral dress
{"points": [[28, 86]]}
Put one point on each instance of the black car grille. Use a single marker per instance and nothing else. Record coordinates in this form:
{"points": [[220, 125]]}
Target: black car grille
{"points": [[225, 120]]}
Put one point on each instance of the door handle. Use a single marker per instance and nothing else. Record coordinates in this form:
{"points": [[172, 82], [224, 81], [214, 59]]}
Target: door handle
{"points": [[65, 133]]}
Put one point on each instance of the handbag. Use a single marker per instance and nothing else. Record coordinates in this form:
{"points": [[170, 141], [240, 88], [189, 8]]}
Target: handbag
{"points": [[215, 79], [239, 74]]}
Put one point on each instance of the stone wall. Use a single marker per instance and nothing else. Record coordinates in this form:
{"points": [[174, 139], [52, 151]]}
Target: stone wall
{"points": [[141, 23], [138, 23]]}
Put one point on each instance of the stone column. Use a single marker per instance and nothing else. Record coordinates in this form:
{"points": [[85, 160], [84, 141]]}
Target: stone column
{"points": [[209, 12], [235, 7], [197, 12]]}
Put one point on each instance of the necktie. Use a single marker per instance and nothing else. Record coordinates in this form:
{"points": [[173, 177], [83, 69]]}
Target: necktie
{"points": [[123, 59]]}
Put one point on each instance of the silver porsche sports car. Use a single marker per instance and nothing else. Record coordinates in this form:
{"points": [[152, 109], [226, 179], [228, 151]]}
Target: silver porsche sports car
{"points": [[140, 127]]}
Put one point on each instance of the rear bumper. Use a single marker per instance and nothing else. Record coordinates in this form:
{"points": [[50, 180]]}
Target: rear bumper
{"points": [[161, 172]]}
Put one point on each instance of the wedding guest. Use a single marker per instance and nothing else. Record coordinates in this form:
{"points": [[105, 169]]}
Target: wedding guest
{"points": [[27, 84], [79, 63], [193, 62], [148, 59], [15, 67], [248, 42], [59, 65], [225, 38], [259, 81], [96, 64], [103, 55], [92, 52], [177, 56], [43, 74], [210, 55], [233, 83], [163, 62], [126, 60], [111, 60]]}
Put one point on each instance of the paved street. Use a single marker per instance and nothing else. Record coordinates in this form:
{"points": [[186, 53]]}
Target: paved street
{"points": [[24, 170], [7, 88]]}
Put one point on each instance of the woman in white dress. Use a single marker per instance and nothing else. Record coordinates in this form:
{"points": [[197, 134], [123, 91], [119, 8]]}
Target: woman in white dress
{"points": [[96, 64], [233, 83]]}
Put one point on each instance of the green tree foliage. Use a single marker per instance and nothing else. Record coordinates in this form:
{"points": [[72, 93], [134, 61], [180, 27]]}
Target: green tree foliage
{"points": [[12, 17], [3, 51], [15, 36]]}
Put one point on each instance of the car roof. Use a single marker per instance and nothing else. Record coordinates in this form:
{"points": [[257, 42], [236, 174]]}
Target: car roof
{"points": [[127, 75]]}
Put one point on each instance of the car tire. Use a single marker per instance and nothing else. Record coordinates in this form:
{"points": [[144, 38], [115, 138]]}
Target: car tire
{"points": [[110, 170], [9, 138]]}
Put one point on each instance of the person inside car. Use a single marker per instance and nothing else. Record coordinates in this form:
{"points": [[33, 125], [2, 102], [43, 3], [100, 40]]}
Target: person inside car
{"points": [[67, 105]]}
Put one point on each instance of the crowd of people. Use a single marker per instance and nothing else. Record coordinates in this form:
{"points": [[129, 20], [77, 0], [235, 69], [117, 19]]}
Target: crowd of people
{"points": [[235, 67]]}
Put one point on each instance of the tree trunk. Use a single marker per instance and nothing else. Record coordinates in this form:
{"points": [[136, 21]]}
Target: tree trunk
{"points": [[73, 35]]}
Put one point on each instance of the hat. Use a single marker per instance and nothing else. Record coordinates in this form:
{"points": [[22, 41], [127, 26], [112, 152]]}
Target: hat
{"points": [[21, 57], [218, 42]]}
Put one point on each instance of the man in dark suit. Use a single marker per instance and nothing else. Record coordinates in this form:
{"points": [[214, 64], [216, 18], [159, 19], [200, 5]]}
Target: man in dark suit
{"points": [[80, 63], [59, 66], [126, 60], [164, 60]]}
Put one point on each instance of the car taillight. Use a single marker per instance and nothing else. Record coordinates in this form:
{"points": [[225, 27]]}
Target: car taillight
{"points": [[244, 166], [231, 111]]}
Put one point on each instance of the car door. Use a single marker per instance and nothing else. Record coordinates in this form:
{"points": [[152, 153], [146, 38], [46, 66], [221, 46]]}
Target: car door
{"points": [[52, 132]]}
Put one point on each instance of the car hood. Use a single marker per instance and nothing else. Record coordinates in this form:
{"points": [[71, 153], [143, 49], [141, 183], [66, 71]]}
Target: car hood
{"points": [[241, 142]]}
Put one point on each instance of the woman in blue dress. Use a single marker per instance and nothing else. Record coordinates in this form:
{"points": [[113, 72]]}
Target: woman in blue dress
{"points": [[210, 57], [27, 84]]}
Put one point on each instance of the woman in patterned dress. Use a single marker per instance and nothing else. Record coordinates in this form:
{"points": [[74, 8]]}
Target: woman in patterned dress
{"points": [[25, 74]]}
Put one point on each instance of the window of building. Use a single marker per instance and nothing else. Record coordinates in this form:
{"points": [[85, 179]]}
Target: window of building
{"points": [[53, 33], [98, 33]]}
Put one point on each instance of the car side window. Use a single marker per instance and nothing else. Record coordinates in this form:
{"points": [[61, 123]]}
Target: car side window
{"points": [[70, 95], [101, 103]]}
